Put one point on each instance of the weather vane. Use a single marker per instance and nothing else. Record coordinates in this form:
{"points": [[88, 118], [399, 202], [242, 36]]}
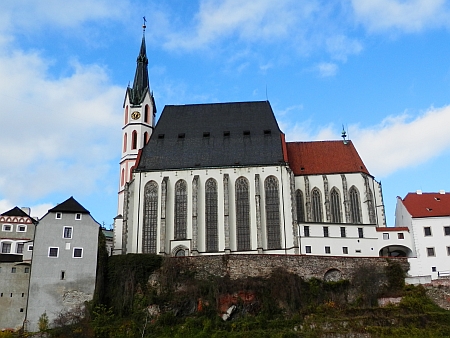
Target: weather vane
{"points": [[144, 26]]}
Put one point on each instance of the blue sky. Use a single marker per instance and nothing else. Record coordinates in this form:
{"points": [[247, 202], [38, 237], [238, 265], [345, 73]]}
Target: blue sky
{"points": [[379, 67]]}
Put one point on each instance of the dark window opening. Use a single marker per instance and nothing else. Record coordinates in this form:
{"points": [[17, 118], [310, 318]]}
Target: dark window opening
{"points": [[306, 231], [246, 132], [181, 135], [226, 134], [206, 134], [160, 136], [308, 249], [267, 132]]}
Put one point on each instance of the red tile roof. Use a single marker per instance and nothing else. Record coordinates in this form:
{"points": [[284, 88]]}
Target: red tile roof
{"points": [[386, 229], [427, 204], [324, 157]]}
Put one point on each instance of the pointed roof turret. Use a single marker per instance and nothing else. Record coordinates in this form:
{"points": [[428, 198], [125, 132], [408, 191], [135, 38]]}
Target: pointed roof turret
{"points": [[141, 83]]}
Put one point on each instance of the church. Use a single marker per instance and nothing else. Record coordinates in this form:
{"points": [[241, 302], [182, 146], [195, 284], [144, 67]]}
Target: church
{"points": [[220, 178]]}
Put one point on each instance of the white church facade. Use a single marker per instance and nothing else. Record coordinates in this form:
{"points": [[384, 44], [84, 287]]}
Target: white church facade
{"points": [[221, 179]]}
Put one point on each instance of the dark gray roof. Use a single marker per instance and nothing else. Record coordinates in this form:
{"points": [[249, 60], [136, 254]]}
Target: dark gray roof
{"points": [[16, 211], [214, 135], [70, 205]]}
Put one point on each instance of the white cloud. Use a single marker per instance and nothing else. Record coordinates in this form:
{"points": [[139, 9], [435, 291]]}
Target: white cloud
{"points": [[403, 15], [398, 142], [326, 69], [57, 134]]}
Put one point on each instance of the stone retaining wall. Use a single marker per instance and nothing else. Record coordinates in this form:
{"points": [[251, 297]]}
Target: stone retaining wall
{"points": [[306, 266]]}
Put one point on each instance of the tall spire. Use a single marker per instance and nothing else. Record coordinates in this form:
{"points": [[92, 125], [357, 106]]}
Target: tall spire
{"points": [[141, 83]]}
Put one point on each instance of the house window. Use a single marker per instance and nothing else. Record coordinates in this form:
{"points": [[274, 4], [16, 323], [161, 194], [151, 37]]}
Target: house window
{"points": [[308, 249], [150, 217], [53, 252], [385, 235], [134, 139], [272, 213], [306, 231], [300, 206], [77, 252], [358, 251], [67, 233], [427, 231], [400, 235], [211, 215], [433, 269], [58, 215], [26, 270], [7, 227], [316, 204], [335, 206], [447, 231], [354, 205], [327, 250], [345, 250], [13, 270], [6, 247], [21, 228], [360, 232], [19, 248], [77, 216], [325, 232], [30, 248], [242, 214], [180, 209], [430, 252], [63, 275], [343, 232]]}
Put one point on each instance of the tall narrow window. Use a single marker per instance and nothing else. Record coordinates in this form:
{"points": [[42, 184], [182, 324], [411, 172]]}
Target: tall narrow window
{"points": [[355, 205], [316, 204], [122, 178], [272, 213], [134, 140], [335, 206], [145, 138], [126, 114], [300, 206], [242, 214], [125, 142], [150, 217], [146, 113], [211, 215], [180, 209]]}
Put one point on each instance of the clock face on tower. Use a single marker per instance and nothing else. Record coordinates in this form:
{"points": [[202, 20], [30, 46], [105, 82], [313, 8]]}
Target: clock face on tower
{"points": [[135, 115]]}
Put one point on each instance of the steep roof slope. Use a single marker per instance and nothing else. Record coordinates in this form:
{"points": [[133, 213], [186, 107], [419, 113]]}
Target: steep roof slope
{"points": [[70, 205], [16, 211], [427, 204], [324, 157], [213, 135]]}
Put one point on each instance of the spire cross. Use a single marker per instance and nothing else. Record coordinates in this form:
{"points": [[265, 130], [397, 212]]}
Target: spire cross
{"points": [[144, 26]]}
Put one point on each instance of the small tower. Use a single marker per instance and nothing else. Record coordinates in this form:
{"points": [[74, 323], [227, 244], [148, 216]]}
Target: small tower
{"points": [[139, 111]]}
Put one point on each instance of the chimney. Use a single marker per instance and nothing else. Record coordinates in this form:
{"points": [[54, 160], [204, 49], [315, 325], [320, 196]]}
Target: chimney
{"points": [[442, 192], [26, 210], [419, 192]]}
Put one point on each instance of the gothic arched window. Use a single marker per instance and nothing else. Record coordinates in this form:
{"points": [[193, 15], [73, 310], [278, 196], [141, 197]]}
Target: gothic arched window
{"points": [[335, 206], [300, 206], [126, 114], [122, 177], [150, 217], [145, 138], [316, 205], [125, 142], [134, 140], [180, 210], [146, 113], [355, 205], [272, 212], [242, 214], [211, 215]]}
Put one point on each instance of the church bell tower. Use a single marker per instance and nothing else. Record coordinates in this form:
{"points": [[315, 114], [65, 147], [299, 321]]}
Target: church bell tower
{"points": [[139, 112]]}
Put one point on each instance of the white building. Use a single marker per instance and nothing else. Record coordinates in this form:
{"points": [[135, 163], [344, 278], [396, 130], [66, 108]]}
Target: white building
{"points": [[427, 216], [220, 178]]}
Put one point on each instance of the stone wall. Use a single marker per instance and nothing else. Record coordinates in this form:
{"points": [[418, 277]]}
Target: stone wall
{"points": [[306, 266]]}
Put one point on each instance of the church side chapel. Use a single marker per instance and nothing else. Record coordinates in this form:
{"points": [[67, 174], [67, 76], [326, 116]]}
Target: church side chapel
{"points": [[219, 178]]}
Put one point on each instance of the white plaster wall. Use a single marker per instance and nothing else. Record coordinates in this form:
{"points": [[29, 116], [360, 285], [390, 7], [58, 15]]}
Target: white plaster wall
{"points": [[280, 172]]}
